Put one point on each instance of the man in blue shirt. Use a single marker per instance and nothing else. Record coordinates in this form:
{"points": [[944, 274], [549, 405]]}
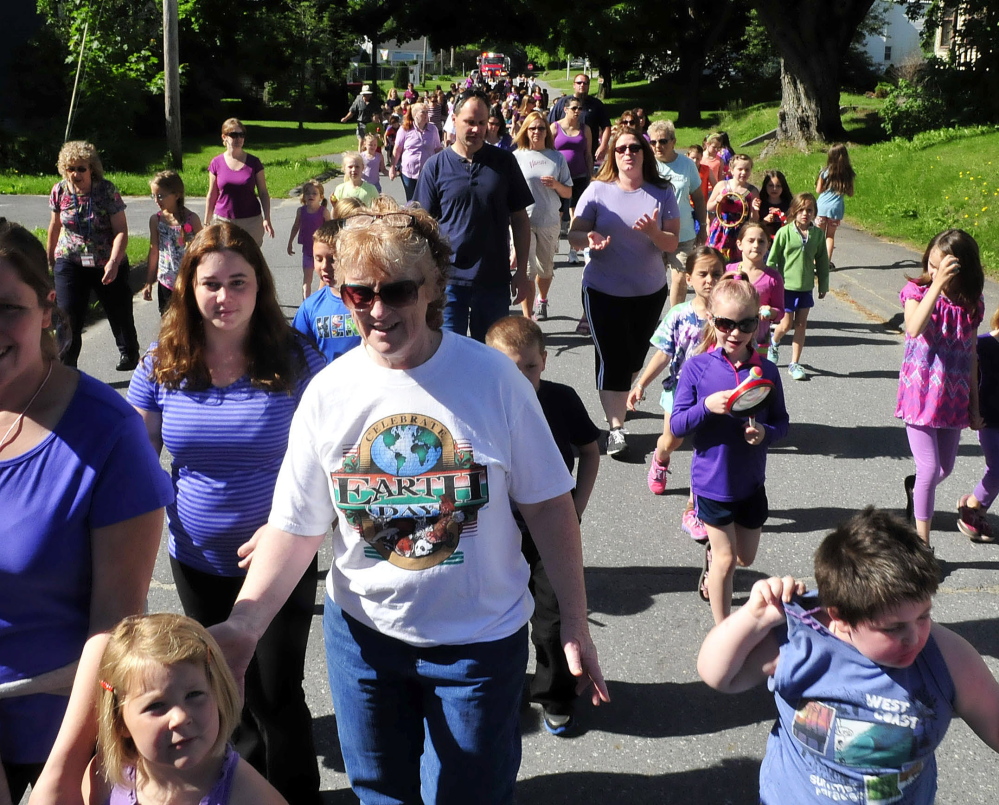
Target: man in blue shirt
{"points": [[478, 194]]}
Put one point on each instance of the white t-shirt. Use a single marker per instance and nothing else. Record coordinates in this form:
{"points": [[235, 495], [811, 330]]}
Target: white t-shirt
{"points": [[418, 468], [683, 175], [547, 206]]}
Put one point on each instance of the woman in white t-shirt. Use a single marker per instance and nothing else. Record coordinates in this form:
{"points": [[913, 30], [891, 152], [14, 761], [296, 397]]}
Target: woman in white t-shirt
{"points": [[547, 175], [627, 218], [413, 445]]}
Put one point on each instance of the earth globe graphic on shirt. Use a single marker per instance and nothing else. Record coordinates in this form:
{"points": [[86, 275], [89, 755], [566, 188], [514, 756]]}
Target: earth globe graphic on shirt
{"points": [[406, 450]]}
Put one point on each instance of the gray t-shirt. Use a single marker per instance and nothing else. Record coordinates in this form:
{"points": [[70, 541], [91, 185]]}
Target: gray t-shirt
{"points": [[544, 212], [683, 175], [631, 264]]}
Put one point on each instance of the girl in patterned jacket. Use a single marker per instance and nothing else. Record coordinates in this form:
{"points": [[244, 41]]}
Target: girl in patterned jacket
{"points": [[937, 385]]}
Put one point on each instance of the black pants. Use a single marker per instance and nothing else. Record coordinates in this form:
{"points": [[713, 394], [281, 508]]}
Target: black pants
{"points": [[275, 733], [553, 686], [20, 776], [73, 283]]}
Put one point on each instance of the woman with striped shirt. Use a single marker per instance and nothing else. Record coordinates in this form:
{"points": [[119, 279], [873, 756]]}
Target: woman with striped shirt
{"points": [[218, 391]]}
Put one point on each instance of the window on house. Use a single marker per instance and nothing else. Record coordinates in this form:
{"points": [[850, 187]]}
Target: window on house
{"points": [[887, 52]]}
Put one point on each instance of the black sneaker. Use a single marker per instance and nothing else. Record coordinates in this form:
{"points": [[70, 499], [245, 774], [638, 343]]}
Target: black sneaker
{"points": [[908, 485], [559, 723], [126, 363]]}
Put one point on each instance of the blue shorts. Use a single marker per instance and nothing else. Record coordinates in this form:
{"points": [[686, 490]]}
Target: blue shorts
{"points": [[751, 512], [797, 300]]}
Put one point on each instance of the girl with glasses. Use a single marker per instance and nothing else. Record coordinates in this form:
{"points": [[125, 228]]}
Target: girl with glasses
{"points": [[728, 468]]}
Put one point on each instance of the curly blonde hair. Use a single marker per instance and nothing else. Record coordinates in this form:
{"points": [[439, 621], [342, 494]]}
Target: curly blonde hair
{"points": [[76, 151]]}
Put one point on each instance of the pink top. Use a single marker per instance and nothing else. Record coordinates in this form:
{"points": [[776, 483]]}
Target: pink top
{"points": [[934, 382], [237, 188], [770, 287]]}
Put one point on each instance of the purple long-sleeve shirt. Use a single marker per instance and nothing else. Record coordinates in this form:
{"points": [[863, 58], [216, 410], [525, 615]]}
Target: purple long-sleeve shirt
{"points": [[725, 466]]}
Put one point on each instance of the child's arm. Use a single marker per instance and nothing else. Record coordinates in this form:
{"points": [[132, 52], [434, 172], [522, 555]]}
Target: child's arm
{"points": [[586, 475], [775, 258], [741, 651], [294, 230], [976, 692], [382, 167], [656, 364], [249, 785], [820, 184], [974, 404], [153, 261], [716, 193], [195, 222], [917, 314]]}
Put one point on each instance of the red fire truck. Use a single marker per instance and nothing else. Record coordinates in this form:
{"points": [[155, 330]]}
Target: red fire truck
{"points": [[494, 65]]}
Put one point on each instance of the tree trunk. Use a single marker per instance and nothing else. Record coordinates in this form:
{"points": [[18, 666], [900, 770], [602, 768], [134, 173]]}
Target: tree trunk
{"points": [[702, 25], [605, 87], [812, 37]]}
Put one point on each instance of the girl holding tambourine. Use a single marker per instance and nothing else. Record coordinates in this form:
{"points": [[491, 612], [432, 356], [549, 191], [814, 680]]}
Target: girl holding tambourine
{"points": [[734, 202]]}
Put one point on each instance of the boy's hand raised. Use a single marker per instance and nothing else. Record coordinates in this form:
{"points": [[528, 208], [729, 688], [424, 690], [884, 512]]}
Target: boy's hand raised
{"points": [[768, 596]]}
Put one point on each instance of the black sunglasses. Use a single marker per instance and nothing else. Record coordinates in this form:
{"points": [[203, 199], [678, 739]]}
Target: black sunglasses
{"points": [[395, 294], [663, 141], [632, 148], [81, 169], [236, 134], [573, 108], [749, 325]]}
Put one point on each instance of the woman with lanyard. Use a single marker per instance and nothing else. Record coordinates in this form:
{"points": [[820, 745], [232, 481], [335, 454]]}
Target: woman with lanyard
{"points": [[416, 142], [574, 141], [235, 180], [87, 236]]}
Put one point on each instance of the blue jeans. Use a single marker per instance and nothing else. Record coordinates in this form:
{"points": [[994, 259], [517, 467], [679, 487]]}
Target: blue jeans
{"points": [[433, 724], [408, 185], [473, 309]]}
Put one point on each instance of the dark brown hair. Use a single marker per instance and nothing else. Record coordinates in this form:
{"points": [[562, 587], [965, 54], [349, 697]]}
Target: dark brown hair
{"points": [[650, 173], [26, 255], [965, 288]]}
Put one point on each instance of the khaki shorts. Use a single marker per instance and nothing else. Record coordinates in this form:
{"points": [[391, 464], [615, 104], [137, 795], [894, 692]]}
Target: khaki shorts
{"points": [[254, 226], [678, 259], [541, 259]]}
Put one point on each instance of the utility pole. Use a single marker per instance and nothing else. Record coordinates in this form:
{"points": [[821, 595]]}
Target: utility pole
{"points": [[171, 83]]}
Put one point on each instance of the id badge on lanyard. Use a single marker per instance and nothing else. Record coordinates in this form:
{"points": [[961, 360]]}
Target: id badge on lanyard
{"points": [[88, 260]]}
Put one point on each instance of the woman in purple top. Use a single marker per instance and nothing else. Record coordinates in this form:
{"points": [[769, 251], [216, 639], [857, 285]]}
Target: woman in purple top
{"points": [[235, 181], [416, 142], [574, 141], [627, 217], [82, 497]]}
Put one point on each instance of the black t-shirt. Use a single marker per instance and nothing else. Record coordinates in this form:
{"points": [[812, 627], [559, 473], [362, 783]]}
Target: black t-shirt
{"points": [[567, 418]]}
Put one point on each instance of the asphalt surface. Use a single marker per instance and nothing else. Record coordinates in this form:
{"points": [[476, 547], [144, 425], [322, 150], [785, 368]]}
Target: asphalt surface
{"points": [[666, 737]]}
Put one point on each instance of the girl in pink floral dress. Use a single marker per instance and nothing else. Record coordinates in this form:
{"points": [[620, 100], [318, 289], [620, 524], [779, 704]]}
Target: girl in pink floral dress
{"points": [[937, 386]]}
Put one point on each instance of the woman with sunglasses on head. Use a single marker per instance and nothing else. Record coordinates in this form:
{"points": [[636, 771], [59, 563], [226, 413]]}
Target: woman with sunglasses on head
{"points": [[628, 217], [237, 188], [574, 141], [548, 177], [218, 391], [427, 600], [415, 143], [87, 236]]}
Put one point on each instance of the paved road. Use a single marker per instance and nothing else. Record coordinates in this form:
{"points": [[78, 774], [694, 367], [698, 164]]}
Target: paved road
{"points": [[667, 738]]}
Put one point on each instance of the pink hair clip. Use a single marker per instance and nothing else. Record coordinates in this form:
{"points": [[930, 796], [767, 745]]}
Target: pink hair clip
{"points": [[107, 685]]}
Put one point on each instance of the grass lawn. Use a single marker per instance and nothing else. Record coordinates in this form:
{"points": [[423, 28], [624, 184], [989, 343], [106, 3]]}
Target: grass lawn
{"points": [[281, 146]]}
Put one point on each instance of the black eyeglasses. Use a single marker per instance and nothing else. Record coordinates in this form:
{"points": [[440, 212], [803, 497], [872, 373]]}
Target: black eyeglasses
{"points": [[573, 108], [236, 134], [78, 169], [630, 148], [749, 325], [662, 141], [394, 294]]}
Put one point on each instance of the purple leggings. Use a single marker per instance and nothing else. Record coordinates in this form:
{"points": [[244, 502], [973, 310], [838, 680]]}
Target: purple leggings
{"points": [[988, 487], [934, 450]]}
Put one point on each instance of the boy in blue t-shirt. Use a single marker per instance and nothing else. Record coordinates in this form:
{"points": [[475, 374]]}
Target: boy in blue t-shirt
{"points": [[864, 681], [553, 685], [323, 315]]}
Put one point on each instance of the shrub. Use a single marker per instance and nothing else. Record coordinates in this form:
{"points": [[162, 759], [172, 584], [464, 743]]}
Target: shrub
{"points": [[911, 108], [882, 89], [401, 79]]}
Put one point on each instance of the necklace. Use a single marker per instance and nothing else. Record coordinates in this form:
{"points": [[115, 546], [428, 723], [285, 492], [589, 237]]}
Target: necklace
{"points": [[3, 441]]}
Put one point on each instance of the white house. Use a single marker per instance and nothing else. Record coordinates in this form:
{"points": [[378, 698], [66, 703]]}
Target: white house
{"points": [[898, 41]]}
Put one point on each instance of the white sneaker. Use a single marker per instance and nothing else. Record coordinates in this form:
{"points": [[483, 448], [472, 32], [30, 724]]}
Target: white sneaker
{"points": [[573, 257]]}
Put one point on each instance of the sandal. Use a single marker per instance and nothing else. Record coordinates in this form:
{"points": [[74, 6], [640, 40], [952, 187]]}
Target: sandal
{"points": [[702, 583]]}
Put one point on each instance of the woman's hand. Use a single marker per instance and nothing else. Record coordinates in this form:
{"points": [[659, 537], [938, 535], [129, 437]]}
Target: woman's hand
{"points": [[716, 403], [110, 272], [268, 228], [245, 551], [649, 224], [548, 181], [237, 648], [291, 249], [597, 241], [147, 292]]}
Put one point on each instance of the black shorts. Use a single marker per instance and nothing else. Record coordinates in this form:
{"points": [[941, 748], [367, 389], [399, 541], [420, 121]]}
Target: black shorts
{"points": [[579, 184], [621, 327], [751, 512]]}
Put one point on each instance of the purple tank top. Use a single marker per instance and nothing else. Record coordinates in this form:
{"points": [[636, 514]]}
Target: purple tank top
{"points": [[308, 223], [573, 149], [219, 795]]}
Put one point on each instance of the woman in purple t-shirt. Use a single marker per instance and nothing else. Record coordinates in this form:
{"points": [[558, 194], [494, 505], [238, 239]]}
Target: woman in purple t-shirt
{"points": [[235, 181], [627, 217]]}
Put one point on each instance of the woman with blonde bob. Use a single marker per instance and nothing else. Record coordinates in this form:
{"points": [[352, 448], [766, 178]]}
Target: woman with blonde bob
{"points": [[219, 391], [164, 674], [548, 176], [86, 241], [426, 599]]}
